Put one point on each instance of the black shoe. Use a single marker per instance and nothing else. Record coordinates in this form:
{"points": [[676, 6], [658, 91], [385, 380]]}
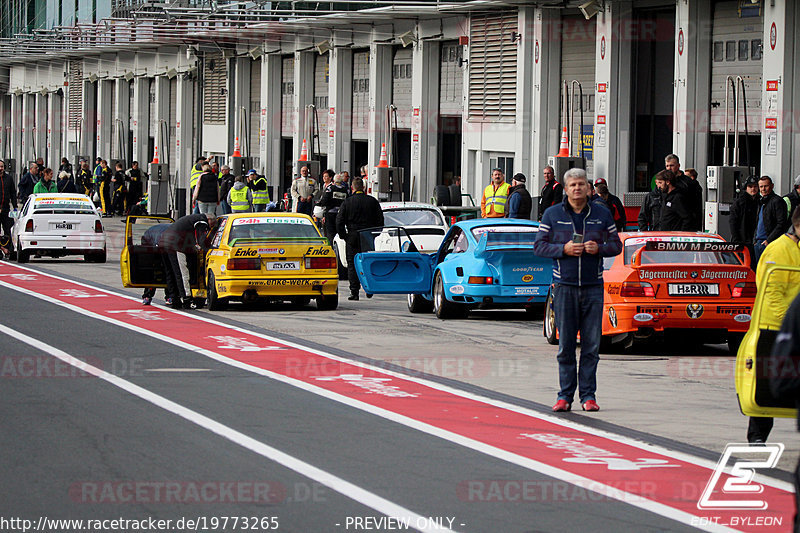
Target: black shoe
{"points": [[188, 303], [353, 296]]}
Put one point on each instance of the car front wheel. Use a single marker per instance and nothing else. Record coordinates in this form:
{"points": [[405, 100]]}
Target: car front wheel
{"points": [[441, 306], [419, 304]]}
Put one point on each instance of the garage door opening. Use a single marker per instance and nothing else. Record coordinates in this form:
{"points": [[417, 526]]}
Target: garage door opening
{"points": [[449, 150]]}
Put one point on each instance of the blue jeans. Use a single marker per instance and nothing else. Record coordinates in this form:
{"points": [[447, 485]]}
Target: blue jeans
{"points": [[758, 249], [226, 209], [578, 309]]}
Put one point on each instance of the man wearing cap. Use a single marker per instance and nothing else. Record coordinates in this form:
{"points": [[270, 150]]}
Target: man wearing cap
{"points": [[303, 190], [744, 216], [613, 203], [495, 196], [183, 238], [258, 186], [519, 199]]}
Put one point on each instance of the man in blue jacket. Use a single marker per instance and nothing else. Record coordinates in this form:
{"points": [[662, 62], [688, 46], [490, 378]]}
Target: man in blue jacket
{"points": [[577, 234]]}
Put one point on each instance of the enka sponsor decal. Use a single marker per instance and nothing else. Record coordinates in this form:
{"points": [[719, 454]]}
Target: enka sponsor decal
{"points": [[177, 492], [522, 491]]}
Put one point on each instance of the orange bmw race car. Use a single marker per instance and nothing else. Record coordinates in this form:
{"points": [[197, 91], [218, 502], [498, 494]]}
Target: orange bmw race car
{"points": [[667, 281]]}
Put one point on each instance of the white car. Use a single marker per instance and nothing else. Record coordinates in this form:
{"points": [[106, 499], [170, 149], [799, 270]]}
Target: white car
{"points": [[423, 223], [59, 224]]}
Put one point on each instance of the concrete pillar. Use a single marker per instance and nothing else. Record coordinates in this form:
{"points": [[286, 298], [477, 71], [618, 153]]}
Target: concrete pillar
{"points": [[270, 145], [380, 95], [692, 82], [40, 127], [55, 127], [87, 123], [613, 71], [546, 97], [780, 138], [28, 113], [5, 126], [241, 99], [141, 120], [160, 130], [525, 68], [104, 122], [303, 95], [424, 119], [184, 125], [15, 134], [121, 118], [340, 112]]}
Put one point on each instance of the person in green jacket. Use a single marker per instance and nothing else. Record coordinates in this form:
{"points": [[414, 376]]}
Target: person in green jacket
{"points": [[46, 184]]}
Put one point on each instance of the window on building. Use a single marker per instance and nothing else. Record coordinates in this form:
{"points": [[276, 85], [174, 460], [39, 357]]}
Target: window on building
{"points": [[718, 51], [730, 50], [744, 50], [756, 49]]}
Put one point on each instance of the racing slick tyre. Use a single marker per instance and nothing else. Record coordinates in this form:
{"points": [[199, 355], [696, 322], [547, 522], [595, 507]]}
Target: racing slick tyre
{"points": [[328, 303], [342, 269], [96, 257], [734, 340], [215, 303], [441, 195], [419, 304], [301, 301], [22, 255], [550, 330], [441, 306], [455, 194]]}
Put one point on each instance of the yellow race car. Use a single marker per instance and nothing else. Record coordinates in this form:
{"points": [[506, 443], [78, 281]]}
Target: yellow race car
{"points": [[248, 257]]}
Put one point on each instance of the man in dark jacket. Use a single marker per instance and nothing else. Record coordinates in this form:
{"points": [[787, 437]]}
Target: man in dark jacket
{"points": [[552, 191], [613, 203], [151, 238], [771, 221], [650, 212], [519, 199], [359, 211], [180, 241], [8, 200], [674, 214], [744, 215], [690, 189], [66, 183], [28, 182], [226, 181], [577, 235], [333, 197]]}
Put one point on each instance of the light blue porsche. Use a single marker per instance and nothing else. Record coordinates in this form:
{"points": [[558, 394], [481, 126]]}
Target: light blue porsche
{"points": [[481, 263]]}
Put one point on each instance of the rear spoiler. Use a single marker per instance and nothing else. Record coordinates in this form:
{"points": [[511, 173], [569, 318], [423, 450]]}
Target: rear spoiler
{"points": [[484, 248], [741, 250]]}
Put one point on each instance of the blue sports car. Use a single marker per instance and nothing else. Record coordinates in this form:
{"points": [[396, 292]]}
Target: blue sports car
{"points": [[481, 263]]}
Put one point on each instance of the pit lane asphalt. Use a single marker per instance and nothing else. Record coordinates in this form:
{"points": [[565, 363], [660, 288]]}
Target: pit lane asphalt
{"points": [[60, 433], [679, 394]]}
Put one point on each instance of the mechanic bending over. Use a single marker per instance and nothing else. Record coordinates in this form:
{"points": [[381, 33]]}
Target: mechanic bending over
{"points": [[577, 235], [180, 239], [151, 238]]}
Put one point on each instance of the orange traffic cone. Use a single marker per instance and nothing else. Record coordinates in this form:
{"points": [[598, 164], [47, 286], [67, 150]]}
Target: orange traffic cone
{"points": [[563, 149], [155, 155], [236, 150], [383, 163], [304, 151]]}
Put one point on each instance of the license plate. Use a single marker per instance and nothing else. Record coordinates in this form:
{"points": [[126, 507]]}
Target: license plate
{"points": [[534, 291], [693, 289], [283, 265], [63, 225]]}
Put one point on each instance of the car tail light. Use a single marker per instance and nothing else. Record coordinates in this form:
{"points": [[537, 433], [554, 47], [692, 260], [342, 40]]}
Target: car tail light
{"points": [[29, 225], [320, 262], [480, 280], [244, 263], [98, 226], [634, 289], [745, 289]]}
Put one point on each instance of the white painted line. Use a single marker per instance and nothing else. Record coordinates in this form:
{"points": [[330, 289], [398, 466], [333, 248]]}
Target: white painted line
{"points": [[349, 490], [177, 370], [492, 451], [630, 441]]}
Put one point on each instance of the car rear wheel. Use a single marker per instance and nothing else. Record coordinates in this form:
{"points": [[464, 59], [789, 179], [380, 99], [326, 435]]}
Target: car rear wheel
{"points": [[550, 330], [328, 302], [215, 303], [301, 301], [419, 304], [441, 306], [22, 255], [96, 257]]}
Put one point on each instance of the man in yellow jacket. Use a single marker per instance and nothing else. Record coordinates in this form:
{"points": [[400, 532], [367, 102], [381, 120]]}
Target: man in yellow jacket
{"points": [[495, 196], [780, 290]]}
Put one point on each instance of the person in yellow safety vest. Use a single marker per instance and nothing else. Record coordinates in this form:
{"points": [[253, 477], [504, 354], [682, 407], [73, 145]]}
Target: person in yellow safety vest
{"points": [[779, 290], [495, 196], [258, 184], [194, 177], [240, 197]]}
